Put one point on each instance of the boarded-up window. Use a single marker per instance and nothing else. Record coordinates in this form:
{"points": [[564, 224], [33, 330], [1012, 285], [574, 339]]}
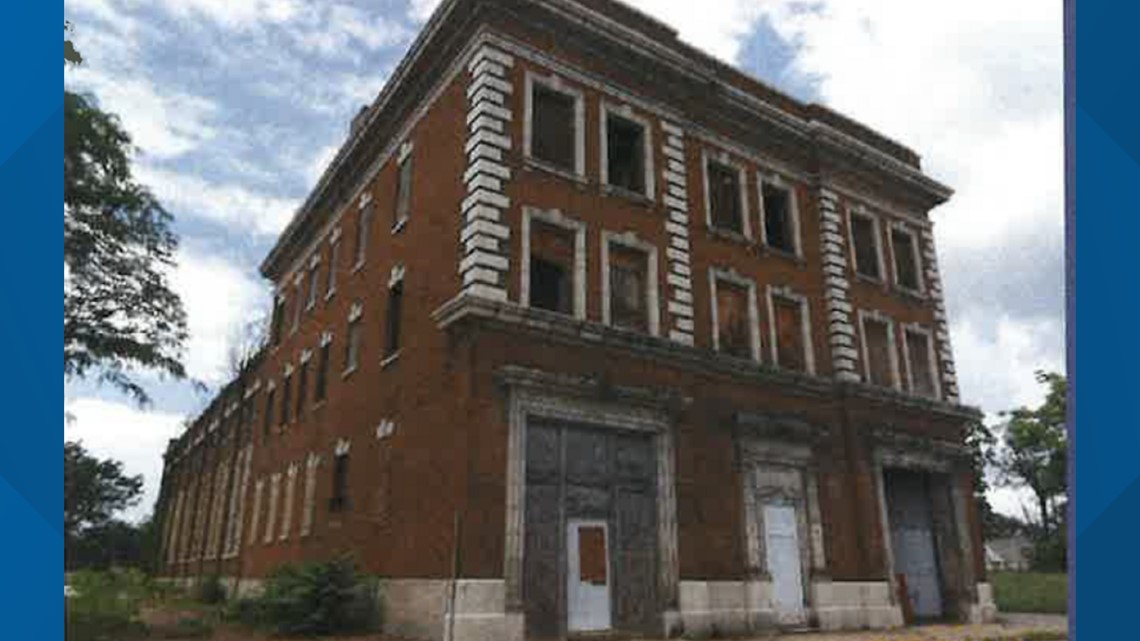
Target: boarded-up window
{"points": [[734, 335], [628, 304], [863, 234], [921, 370], [551, 268], [554, 128], [779, 228], [592, 555], [625, 147], [906, 267], [879, 351], [724, 197], [790, 349]]}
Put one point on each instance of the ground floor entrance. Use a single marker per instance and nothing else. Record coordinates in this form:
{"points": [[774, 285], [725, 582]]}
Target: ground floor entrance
{"points": [[590, 552], [913, 541]]}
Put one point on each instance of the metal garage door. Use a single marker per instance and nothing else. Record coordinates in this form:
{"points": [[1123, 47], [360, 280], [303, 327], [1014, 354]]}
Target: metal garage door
{"points": [[912, 540]]}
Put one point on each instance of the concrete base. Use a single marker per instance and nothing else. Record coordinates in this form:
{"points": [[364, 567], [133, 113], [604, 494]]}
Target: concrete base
{"points": [[985, 610], [855, 605], [418, 608], [721, 608]]}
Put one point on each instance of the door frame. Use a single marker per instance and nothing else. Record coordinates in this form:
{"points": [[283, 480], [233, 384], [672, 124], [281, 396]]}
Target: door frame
{"points": [[572, 530]]}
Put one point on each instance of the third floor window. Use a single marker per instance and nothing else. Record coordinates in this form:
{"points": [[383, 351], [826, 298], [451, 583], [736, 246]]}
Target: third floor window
{"points": [[554, 127], [726, 210]]}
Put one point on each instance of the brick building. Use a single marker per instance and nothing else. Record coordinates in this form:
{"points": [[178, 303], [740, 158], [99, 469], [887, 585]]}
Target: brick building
{"points": [[618, 336]]}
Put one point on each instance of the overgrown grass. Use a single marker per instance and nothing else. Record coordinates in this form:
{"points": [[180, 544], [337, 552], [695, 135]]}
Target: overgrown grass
{"points": [[1031, 592]]}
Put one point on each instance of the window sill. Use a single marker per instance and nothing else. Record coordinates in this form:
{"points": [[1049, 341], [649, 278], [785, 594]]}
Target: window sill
{"points": [[907, 292], [358, 266], [541, 165], [390, 359], [870, 280], [399, 225], [329, 295], [728, 234], [776, 252], [348, 372], [638, 198]]}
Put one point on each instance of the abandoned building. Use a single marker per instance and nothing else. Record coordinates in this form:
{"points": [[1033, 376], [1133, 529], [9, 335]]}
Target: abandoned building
{"points": [[583, 330]]}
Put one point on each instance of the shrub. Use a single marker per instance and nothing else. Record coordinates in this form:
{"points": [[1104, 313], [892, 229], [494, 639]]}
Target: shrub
{"points": [[105, 605], [316, 598], [211, 591]]}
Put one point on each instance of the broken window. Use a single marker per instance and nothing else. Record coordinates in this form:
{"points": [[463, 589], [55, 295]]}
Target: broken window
{"points": [[779, 227], [363, 228], [921, 367], [554, 129], [339, 499], [625, 150], [321, 390], [879, 352], [403, 192], [791, 352], [734, 336], [551, 267], [395, 310], [864, 234], [629, 306], [725, 211], [906, 259], [352, 345]]}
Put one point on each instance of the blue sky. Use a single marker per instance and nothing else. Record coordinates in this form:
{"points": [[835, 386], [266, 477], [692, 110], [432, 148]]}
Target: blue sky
{"points": [[236, 107]]}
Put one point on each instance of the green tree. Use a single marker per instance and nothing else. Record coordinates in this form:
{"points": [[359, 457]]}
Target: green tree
{"points": [[94, 490], [119, 313]]}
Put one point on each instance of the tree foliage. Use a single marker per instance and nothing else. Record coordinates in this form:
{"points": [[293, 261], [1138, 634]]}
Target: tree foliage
{"points": [[93, 490]]}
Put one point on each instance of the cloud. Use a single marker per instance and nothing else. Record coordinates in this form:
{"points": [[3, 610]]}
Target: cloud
{"points": [[128, 434], [336, 30], [219, 299], [235, 14], [232, 204]]}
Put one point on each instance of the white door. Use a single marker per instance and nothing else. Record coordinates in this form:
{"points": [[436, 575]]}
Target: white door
{"points": [[782, 547], [587, 576]]}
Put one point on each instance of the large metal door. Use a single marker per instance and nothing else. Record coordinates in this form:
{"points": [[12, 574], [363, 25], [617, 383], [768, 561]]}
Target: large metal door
{"points": [[912, 541], [782, 550]]}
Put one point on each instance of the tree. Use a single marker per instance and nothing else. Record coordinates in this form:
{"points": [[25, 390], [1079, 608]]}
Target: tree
{"points": [[94, 490], [119, 313], [70, 53]]}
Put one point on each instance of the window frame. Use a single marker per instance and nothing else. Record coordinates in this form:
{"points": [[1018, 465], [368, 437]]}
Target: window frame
{"points": [[403, 159], [787, 294], [916, 255], [776, 180], [393, 320], [629, 240], [313, 276], [723, 158], [324, 362], [625, 112], [355, 324], [334, 258], [338, 492], [286, 399], [555, 83], [733, 277], [302, 384], [877, 230], [299, 307], [555, 218], [931, 355], [865, 315], [365, 218]]}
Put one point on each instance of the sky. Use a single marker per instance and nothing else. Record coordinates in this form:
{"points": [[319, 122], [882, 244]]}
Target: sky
{"points": [[237, 106]]}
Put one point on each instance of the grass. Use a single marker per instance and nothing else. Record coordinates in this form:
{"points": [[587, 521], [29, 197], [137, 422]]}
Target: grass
{"points": [[1031, 592]]}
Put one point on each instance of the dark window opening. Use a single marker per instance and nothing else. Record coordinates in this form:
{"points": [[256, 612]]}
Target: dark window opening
{"points": [[352, 346], [734, 336], [625, 147], [549, 286], [334, 254], [395, 311], [314, 284], [921, 369], [554, 128], [790, 350], [403, 192], [339, 499], [906, 271], [724, 197], [866, 246], [363, 228], [321, 390], [278, 319], [302, 388], [286, 399], [628, 291], [779, 228], [298, 306], [268, 421], [877, 335]]}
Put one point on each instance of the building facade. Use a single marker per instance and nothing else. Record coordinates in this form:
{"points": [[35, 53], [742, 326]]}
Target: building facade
{"points": [[583, 330]]}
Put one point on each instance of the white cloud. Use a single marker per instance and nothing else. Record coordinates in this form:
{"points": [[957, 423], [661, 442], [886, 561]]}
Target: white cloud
{"points": [[236, 14], [319, 163], [128, 434], [996, 364], [232, 204], [337, 30], [420, 10], [219, 299]]}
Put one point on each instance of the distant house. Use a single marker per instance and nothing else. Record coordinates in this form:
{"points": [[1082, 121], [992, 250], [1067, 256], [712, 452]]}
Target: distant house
{"points": [[1009, 553]]}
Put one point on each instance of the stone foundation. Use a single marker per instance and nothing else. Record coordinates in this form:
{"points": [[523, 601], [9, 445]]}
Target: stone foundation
{"points": [[985, 610], [854, 605], [721, 608], [418, 609]]}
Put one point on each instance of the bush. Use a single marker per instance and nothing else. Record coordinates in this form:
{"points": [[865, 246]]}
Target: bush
{"points": [[211, 591], [313, 599], [105, 606]]}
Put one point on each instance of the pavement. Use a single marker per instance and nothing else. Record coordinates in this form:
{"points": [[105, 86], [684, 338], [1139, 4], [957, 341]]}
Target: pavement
{"points": [[1012, 627]]}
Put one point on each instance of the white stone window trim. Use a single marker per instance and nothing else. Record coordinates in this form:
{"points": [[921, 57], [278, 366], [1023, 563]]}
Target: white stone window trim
{"points": [[626, 112], [931, 355], [299, 296], [326, 338], [630, 240], [255, 519], [404, 155], [723, 158], [288, 500], [363, 236], [555, 218], [859, 210], [385, 429], [731, 276], [342, 447], [334, 256], [396, 275], [553, 82], [916, 255], [274, 495], [779, 182], [786, 293], [355, 314], [865, 315], [312, 462], [356, 311]]}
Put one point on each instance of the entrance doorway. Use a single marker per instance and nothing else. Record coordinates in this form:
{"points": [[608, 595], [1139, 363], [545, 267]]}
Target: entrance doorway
{"points": [[587, 576], [913, 543], [782, 550]]}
